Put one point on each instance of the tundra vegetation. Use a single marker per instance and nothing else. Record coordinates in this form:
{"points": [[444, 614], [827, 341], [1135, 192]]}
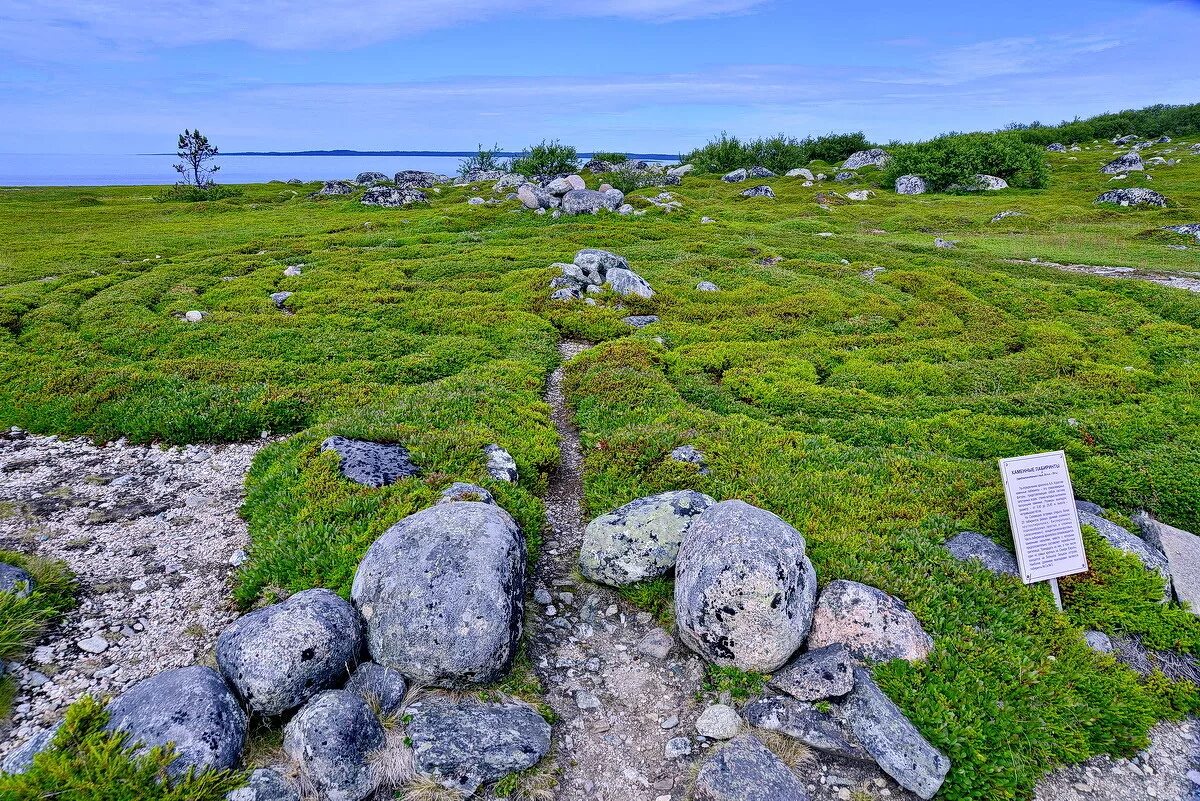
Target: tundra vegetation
{"points": [[849, 376]]}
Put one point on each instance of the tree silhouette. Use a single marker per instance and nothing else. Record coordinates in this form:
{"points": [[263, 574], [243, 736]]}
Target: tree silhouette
{"points": [[194, 150]]}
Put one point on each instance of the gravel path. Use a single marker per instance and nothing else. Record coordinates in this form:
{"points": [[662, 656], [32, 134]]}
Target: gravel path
{"points": [[151, 533]]}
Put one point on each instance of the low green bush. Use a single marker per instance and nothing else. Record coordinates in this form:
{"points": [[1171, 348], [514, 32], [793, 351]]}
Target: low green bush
{"points": [[548, 157], [486, 159], [777, 153], [186, 193], [610, 157], [955, 159]]}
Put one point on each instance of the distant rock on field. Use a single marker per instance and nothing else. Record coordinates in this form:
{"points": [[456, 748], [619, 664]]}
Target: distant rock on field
{"points": [[372, 464], [590, 201], [641, 539], [988, 183], [336, 188], [1057, 147], [911, 185], [736, 176], [801, 172], [1188, 229], [759, 191], [875, 157], [418, 179], [370, 178], [392, 197], [592, 269], [1129, 162], [1133, 196]]}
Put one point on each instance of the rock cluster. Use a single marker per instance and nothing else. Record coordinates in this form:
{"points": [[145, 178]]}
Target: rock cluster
{"points": [[591, 270], [392, 196], [1133, 196]]}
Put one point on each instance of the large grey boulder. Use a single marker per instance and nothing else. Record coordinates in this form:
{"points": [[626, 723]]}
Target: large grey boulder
{"points": [[382, 688], [372, 464], [336, 188], [392, 196], [589, 201], [15, 580], [1127, 162], [1125, 540], [279, 657], [189, 707], [746, 770], [759, 191], [264, 784], [1133, 196], [20, 759], [681, 170], [331, 740], [594, 264], [1182, 552], [871, 624], [759, 172], [465, 744], [892, 740], [801, 172], [627, 282], [911, 185], [817, 674], [971, 546], [744, 588], [500, 463], [442, 594], [822, 730], [736, 176], [875, 157], [988, 183], [418, 179], [370, 178], [641, 539], [534, 197]]}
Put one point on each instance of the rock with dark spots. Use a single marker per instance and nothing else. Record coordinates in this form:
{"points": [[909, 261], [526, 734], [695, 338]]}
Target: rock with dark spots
{"points": [[938, 242], [189, 707], [279, 657], [1004, 215], [736, 176], [1126, 541], [718, 722], [370, 178], [875, 157], [744, 588], [1133, 196], [331, 739], [970, 546], [987, 183], [1089, 507], [465, 744], [534, 197], [688, 454], [589, 201], [20, 759], [382, 688], [264, 784], [892, 740], [627, 282], [759, 172], [640, 540], [845, 177], [1188, 229], [392, 196], [1127, 162], [817, 674], [640, 320], [561, 186], [1056, 147], [746, 770], [15, 580], [500, 463], [417, 179], [871, 624], [566, 293], [372, 464], [509, 180], [336, 188], [707, 286], [442, 592], [823, 731], [911, 185], [461, 491], [1125, 140], [759, 191]]}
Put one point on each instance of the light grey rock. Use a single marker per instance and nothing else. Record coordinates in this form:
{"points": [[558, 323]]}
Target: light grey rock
{"points": [[690, 455], [1133, 196], [500, 464], [871, 624], [911, 185], [477, 176], [15, 580], [938, 242], [510, 180], [719, 722], [845, 177], [372, 464], [594, 264], [680, 171], [189, 707], [93, 645], [1056, 147], [264, 784], [1182, 551], [1004, 215], [280, 656], [656, 644], [466, 744], [641, 539], [560, 186], [746, 770], [640, 320], [589, 201], [20, 759], [442, 592], [970, 546], [759, 191], [392, 197], [707, 286], [625, 209], [280, 298], [1098, 641], [1127, 162], [1124, 540], [826, 732], [370, 178], [336, 188], [892, 740], [293, 270], [461, 491], [875, 157], [331, 739], [817, 674], [194, 316], [418, 179], [801, 172], [759, 172], [859, 194], [736, 176], [988, 183], [586, 700], [476, 201], [382, 688], [744, 588], [1089, 507], [627, 282], [1125, 140], [677, 747]]}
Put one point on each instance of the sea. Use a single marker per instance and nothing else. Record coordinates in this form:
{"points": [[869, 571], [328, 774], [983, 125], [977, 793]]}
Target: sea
{"points": [[58, 169]]}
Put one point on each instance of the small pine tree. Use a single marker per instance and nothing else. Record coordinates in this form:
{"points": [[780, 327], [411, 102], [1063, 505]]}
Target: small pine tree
{"points": [[194, 150]]}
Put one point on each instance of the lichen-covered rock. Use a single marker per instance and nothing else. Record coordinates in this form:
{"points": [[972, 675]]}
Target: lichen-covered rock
{"points": [[681, 170], [461, 491], [719, 722], [594, 264], [1126, 162], [736, 176], [988, 183], [331, 739], [189, 707], [860, 194], [1098, 641], [1188, 229], [372, 464], [465, 744], [370, 178], [392, 196], [744, 588], [589, 201], [689, 454], [845, 177], [875, 157], [15, 580], [640, 320], [264, 784], [442, 593], [870, 623], [534, 197], [279, 657], [382, 688], [1004, 215], [759, 172], [509, 180], [824, 731], [759, 191], [746, 770], [1133, 196], [817, 674], [500, 463], [641, 539], [336, 188], [911, 185], [418, 179], [1125, 540], [892, 740], [971, 546], [627, 282], [707, 286]]}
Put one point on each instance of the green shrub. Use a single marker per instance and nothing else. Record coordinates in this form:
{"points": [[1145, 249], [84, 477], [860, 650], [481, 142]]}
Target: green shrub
{"points": [[955, 159], [186, 193], [627, 180], [484, 160], [1152, 121], [549, 157], [778, 153], [610, 157], [24, 619]]}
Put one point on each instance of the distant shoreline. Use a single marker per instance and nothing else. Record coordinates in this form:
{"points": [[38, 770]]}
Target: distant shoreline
{"points": [[410, 153]]}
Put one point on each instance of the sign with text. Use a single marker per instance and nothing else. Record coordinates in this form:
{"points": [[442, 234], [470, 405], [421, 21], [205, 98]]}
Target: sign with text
{"points": [[1041, 512]]}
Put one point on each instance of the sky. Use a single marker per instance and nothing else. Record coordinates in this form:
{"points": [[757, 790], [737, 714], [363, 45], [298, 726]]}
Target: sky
{"points": [[125, 76]]}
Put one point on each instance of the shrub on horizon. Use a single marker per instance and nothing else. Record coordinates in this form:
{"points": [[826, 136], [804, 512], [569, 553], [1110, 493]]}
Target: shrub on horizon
{"points": [[548, 157], [485, 160], [778, 153], [953, 160]]}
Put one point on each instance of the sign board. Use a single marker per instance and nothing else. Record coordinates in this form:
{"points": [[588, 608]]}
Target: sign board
{"points": [[1041, 512]]}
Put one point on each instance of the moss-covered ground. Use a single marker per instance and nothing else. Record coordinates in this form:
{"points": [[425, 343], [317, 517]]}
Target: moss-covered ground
{"points": [[866, 411]]}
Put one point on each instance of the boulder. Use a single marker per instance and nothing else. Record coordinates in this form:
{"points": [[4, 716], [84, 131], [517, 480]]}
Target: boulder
{"points": [[20, 759], [15, 580], [719, 722], [707, 286], [911, 185], [824, 731], [382, 688], [690, 455], [938, 242], [331, 740], [291, 271], [1188, 229], [680, 171], [970, 546], [566, 293], [594, 264], [859, 194], [500, 464], [1098, 641], [627, 282], [336, 188], [817, 674], [737, 176], [461, 491], [1089, 507], [892, 740], [279, 657], [759, 191], [560, 186], [370, 178], [1056, 147], [640, 320], [1124, 540], [1127, 162], [280, 298], [264, 784], [1182, 552], [759, 172], [392, 197], [744, 588], [844, 177], [590, 201], [189, 707], [465, 744], [870, 623], [1125, 140], [746, 770], [875, 157], [596, 166], [801, 172], [509, 180], [194, 316], [417, 179], [372, 464], [641, 539], [442, 592]]}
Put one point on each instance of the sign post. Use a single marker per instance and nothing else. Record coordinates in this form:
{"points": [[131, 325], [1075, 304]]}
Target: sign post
{"points": [[1043, 518]]}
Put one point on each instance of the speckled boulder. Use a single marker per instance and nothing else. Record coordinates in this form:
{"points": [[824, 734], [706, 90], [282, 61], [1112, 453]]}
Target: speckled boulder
{"points": [[627, 282], [759, 191], [824, 731], [15, 580], [1128, 162], [911, 185], [641, 539], [461, 491], [589, 201], [817, 674], [279, 657], [464, 744], [442, 594], [417, 179], [264, 784], [746, 770], [382, 688], [1132, 196], [372, 464], [331, 740], [744, 588], [870, 623], [875, 157], [392, 197], [336, 188], [970, 546], [190, 707], [500, 463]]}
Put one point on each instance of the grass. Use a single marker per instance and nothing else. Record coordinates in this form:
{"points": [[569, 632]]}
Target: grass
{"points": [[24, 619], [868, 412]]}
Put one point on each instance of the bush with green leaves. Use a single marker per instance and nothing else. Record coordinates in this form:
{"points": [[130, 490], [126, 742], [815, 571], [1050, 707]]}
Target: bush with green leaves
{"points": [[187, 193], [777, 153], [610, 157], [953, 161], [23, 619], [627, 179], [485, 160], [1149, 122], [548, 157]]}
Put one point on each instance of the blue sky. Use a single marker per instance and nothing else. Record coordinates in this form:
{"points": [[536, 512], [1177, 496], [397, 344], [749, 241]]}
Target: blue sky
{"points": [[123, 76]]}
